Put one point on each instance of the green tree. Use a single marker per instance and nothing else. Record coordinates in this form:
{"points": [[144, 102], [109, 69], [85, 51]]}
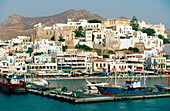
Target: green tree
{"points": [[84, 47], [165, 41], [111, 52], [160, 36], [61, 39], [92, 38], [130, 48], [64, 48], [135, 49], [148, 31], [53, 38], [30, 50], [79, 32], [134, 23], [94, 21], [105, 56], [10, 54]]}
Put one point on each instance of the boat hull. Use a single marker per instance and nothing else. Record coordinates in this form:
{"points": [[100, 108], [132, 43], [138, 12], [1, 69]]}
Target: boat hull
{"points": [[13, 90], [8, 89], [162, 88], [117, 90]]}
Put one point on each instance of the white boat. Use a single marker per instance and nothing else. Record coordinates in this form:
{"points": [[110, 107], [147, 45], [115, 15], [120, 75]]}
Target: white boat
{"points": [[91, 87], [37, 82]]}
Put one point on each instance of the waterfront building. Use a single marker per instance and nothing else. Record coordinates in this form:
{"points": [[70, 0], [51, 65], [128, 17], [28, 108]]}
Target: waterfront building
{"points": [[46, 58], [161, 64], [99, 65], [42, 67]]}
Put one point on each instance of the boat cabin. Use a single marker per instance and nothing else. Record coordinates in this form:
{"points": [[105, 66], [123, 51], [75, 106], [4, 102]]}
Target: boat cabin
{"points": [[132, 84]]}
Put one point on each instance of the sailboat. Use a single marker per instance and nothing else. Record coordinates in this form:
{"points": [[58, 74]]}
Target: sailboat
{"points": [[131, 87], [163, 87]]}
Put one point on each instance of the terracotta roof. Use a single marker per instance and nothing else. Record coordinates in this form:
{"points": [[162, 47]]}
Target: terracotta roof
{"points": [[99, 60]]}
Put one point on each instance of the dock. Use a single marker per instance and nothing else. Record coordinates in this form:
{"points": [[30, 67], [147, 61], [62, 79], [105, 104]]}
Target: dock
{"points": [[81, 98]]}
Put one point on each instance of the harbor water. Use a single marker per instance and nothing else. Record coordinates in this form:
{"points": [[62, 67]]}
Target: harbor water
{"points": [[30, 102]]}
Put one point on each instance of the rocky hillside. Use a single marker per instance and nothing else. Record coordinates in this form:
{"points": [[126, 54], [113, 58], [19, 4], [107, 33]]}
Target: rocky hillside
{"points": [[16, 24]]}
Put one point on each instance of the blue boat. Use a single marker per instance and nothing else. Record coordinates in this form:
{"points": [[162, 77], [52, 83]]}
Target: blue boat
{"points": [[131, 87]]}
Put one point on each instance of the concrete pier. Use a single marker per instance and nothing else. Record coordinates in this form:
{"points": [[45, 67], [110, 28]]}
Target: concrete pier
{"points": [[89, 98]]}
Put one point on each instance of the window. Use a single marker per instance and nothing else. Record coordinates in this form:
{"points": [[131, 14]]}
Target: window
{"points": [[104, 64], [100, 65], [96, 64], [10, 60], [159, 60]]}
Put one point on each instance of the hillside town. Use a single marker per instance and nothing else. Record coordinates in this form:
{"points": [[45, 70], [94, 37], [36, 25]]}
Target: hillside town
{"points": [[88, 48]]}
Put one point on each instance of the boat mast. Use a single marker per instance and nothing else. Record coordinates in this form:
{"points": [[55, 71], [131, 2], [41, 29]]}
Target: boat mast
{"points": [[144, 79], [115, 78], [168, 78]]}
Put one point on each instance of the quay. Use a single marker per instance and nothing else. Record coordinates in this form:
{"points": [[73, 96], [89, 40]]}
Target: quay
{"points": [[81, 98]]}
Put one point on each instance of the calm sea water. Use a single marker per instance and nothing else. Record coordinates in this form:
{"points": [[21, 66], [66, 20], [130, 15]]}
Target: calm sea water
{"points": [[30, 102]]}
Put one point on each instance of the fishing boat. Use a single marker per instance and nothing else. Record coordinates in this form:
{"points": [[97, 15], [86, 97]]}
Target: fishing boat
{"points": [[92, 86], [164, 87], [131, 87], [12, 85]]}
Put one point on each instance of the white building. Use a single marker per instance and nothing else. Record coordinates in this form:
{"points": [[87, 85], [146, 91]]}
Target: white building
{"points": [[99, 37], [84, 23], [46, 58], [126, 43], [153, 52], [41, 46], [154, 42], [124, 29]]}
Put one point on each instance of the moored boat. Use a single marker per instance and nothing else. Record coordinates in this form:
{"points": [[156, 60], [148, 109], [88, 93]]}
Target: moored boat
{"points": [[161, 87], [92, 86], [131, 87], [11, 85]]}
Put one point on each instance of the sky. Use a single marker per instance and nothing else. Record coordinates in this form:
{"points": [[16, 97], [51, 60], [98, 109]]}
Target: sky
{"points": [[151, 11]]}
